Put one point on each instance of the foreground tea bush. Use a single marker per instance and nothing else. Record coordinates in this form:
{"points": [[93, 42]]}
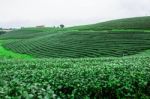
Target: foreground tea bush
{"points": [[75, 78]]}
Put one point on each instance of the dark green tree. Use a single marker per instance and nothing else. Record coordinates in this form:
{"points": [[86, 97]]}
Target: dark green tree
{"points": [[62, 26]]}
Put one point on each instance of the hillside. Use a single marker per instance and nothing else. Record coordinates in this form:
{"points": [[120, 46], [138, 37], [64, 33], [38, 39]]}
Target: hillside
{"points": [[127, 37], [83, 44], [27, 33], [127, 23], [108, 60]]}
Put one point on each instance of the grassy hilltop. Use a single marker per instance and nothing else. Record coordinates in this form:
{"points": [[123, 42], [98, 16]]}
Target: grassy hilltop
{"points": [[103, 60]]}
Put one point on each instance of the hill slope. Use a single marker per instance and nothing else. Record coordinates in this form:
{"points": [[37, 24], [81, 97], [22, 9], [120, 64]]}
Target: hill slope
{"points": [[80, 42], [27, 33], [127, 23], [97, 78], [83, 44]]}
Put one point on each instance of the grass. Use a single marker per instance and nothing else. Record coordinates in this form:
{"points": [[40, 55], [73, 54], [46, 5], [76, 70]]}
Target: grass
{"points": [[144, 53], [9, 54]]}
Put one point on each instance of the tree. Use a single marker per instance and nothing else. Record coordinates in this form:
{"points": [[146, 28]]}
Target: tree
{"points": [[62, 26], [2, 32]]}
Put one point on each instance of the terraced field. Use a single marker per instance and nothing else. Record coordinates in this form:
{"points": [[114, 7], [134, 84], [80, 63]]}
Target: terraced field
{"points": [[99, 61], [83, 44], [112, 38], [26, 33]]}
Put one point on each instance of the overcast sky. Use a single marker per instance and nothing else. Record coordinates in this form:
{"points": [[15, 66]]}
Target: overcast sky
{"points": [[17, 13]]}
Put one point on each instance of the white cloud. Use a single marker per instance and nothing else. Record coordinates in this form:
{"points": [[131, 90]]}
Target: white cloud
{"points": [[15, 13]]}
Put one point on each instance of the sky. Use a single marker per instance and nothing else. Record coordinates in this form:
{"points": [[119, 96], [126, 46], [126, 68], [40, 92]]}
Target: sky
{"points": [[29, 13]]}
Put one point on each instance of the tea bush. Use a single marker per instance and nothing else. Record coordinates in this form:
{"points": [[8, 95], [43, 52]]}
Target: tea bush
{"points": [[75, 78]]}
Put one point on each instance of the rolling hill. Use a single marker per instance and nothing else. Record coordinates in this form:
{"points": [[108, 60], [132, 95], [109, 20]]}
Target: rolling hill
{"points": [[27, 33], [126, 37], [83, 44], [126, 23], [84, 62]]}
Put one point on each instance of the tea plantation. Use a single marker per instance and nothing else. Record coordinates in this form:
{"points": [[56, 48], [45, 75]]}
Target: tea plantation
{"points": [[75, 78], [99, 61], [83, 44], [127, 23]]}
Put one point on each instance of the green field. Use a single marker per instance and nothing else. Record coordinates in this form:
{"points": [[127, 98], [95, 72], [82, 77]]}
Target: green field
{"points": [[4, 53], [128, 23], [104, 60], [75, 78]]}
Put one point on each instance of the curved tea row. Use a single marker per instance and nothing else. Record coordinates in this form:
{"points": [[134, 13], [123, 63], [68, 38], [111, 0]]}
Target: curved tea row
{"points": [[83, 44]]}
